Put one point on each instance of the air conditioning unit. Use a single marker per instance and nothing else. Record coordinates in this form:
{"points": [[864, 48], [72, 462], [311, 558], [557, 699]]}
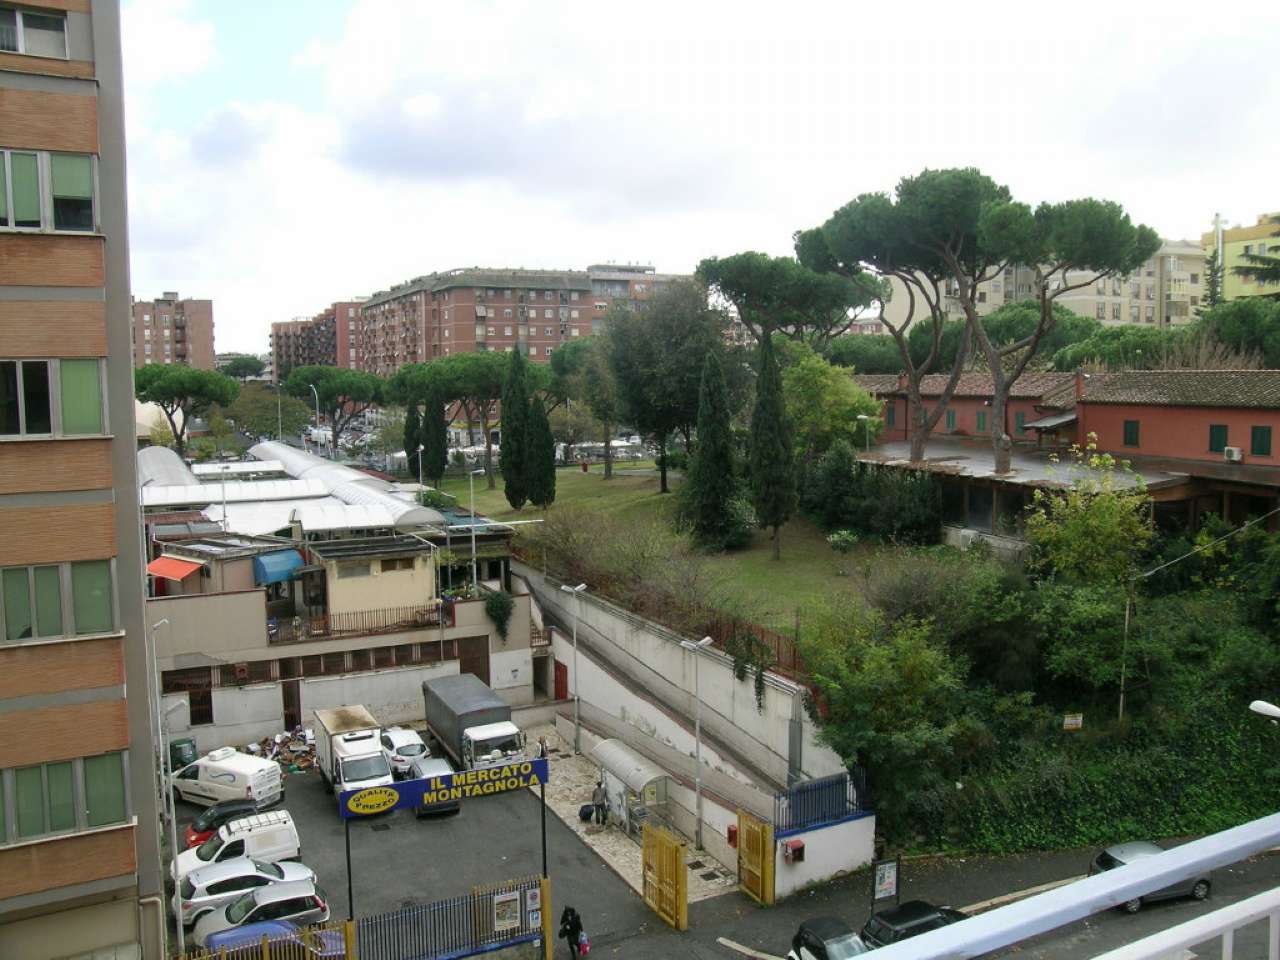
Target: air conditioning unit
{"points": [[1232, 454]]}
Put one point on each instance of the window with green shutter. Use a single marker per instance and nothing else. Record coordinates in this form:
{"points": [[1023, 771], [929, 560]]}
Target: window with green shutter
{"points": [[890, 414], [1131, 433], [62, 800], [982, 421], [1260, 441], [104, 789], [48, 601], [951, 419], [72, 191], [4, 217], [17, 604], [28, 787], [1019, 423], [1217, 437], [91, 596], [81, 391], [25, 173]]}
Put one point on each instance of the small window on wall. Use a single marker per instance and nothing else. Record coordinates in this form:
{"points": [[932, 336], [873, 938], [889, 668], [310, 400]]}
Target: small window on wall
{"points": [[397, 563], [1131, 433], [982, 421], [951, 419], [1260, 441], [28, 389], [358, 568], [72, 189], [1020, 423], [1217, 437], [890, 414]]}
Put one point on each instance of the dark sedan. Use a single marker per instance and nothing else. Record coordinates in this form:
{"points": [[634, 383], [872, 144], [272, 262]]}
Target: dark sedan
{"points": [[908, 920]]}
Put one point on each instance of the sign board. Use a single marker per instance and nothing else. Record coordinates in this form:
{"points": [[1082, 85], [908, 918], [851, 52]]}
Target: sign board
{"points": [[886, 880], [506, 911], [462, 785], [1073, 721]]}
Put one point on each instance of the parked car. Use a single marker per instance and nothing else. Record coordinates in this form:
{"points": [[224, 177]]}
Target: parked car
{"points": [[227, 774], [908, 920], [825, 938], [302, 902], [401, 746], [271, 837], [211, 818], [424, 767], [1124, 853], [317, 944], [215, 886]]}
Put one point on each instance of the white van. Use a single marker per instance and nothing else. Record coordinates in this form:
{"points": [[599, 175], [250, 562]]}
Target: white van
{"points": [[269, 837], [227, 774]]}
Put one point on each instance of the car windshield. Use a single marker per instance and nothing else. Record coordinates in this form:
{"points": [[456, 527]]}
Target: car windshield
{"points": [[880, 930], [269, 869], [209, 849], [240, 909], [188, 888], [411, 749], [206, 820], [365, 768], [505, 745], [1107, 862], [845, 947]]}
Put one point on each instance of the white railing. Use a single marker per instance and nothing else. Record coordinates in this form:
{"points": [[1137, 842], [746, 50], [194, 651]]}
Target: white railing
{"points": [[1220, 924]]}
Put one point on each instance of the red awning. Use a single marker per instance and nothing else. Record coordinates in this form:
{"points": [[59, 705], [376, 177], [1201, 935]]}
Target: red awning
{"points": [[171, 568]]}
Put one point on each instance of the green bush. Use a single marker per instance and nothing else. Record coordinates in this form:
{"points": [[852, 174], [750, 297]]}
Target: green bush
{"points": [[498, 606], [436, 499]]}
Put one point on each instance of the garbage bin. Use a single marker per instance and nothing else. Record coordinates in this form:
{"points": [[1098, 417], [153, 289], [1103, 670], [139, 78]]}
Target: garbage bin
{"points": [[181, 753], [584, 466]]}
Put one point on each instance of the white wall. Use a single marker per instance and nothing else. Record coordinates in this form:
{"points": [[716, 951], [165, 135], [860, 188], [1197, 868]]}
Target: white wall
{"points": [[392, 696], [242, 715], [828, 852], [511, 672]]}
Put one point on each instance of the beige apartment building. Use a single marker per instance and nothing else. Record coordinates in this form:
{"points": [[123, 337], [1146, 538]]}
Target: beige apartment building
{"points": [[79, 825], [171, 329]]}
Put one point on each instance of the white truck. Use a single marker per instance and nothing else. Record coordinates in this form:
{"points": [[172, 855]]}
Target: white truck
{"points": [[471, 722], [349, 750]]}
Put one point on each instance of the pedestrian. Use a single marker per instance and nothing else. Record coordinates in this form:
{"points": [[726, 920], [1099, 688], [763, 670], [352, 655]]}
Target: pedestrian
{"points": [[600, 800], [543, 749], [571, 929]]}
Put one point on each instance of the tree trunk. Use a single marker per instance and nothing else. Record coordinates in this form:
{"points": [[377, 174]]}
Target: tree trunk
{"points": [[777, 543], [662, 462], [1001, 442], [919, 432], [488, 457], [608, 450], [179, 436]]}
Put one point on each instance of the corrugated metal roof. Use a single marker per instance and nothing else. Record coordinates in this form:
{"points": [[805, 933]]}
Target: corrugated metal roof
{"points": [[163, 467], [237, 467], [257, 519], [233, 491], [625, 764]]}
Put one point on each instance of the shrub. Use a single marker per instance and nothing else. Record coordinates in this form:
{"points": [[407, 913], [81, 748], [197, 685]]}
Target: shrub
{"points": [[498, 606], [436, 499]]}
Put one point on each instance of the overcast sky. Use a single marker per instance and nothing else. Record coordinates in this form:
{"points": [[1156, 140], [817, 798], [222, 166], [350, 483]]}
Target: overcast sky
{"points": [[284, 154]]}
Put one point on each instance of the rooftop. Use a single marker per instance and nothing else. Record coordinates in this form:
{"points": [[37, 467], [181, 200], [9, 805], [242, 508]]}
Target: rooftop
{"points": [[1252, 389]]}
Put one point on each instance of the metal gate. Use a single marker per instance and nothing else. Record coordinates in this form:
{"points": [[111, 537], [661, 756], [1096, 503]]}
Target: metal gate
{"points": [[755, 858], [666, 878]]}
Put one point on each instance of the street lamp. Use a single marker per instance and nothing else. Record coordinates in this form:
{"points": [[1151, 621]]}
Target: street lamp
{"points": [[695, 647], [1269, 710], [316, 394], [471, 482], [866, 432], [577, 716], [420, 449], [171, 804]]}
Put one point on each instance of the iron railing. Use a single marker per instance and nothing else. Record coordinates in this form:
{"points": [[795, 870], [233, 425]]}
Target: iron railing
{"points": [[782, 649], [358, 623], [822, 801]]}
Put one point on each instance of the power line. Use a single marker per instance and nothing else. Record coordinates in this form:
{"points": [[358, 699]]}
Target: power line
{"points": [[1211, 543]]}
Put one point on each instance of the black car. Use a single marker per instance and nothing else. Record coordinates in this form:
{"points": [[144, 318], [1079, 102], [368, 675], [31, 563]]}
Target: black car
{"points": [[825, 938], [908, 920]]}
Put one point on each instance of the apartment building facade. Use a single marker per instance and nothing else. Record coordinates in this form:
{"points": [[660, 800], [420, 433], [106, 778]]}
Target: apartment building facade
{"points": [[327, 339], [171, 329], [1235, 242], [79, 822], [467, 310]]}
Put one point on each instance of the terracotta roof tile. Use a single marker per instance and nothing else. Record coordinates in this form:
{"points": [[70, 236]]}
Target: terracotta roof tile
{"points": [[1257, 389]]}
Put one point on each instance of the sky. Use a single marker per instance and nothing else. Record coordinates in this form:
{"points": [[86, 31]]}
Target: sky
{"points": [[284, 154]]}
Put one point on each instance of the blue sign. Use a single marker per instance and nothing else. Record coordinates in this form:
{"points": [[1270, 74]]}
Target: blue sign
{"points": [[443, 789]]}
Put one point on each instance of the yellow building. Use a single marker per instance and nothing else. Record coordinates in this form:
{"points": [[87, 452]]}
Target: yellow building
{"points": [[1238, 241]]}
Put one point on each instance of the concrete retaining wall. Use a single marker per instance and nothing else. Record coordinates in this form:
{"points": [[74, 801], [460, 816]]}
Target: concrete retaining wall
{"points": [[829, 852]]}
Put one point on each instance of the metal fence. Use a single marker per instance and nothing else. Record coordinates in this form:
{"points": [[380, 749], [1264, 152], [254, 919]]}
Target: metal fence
{"points": [[825, 800], [333, 941], [783, 652], [362, 623]]}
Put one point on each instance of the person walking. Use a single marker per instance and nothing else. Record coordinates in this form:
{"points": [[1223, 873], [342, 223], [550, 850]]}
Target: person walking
{"points": [[543, 750], [571, 929], [600, 799]]}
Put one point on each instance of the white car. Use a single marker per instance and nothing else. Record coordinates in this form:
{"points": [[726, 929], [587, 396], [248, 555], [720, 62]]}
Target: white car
{"points": [[302, 902], [401, 746], [213, 887]]}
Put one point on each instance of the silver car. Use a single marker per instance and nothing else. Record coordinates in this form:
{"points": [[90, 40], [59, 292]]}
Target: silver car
{"points": [[213, 887], [302, 902], [1124, 853]]}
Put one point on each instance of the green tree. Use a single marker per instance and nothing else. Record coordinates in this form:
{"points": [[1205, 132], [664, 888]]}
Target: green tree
{"points": [[433, 434], [601, 394], [219, 429], [824, 405], [865, 353], [838, 491], [1212, 283], [260, 411], [514, 458], [161, 436], [571, 425], [412, 437], [181, 393], [773, 482], [243, 367], [540, 453], [344, 394], [1262, 268], [712, 485], [1250, 324]]}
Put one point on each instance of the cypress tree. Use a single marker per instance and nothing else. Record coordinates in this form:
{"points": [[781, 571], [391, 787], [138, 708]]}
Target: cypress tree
{"points": [[773, 484], [412, 437], [513, 457], [541, 457], [434, 435], [710, 486]]}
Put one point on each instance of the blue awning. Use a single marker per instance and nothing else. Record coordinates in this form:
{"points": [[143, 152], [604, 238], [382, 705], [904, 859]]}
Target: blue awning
{"points": [[274, 567]]}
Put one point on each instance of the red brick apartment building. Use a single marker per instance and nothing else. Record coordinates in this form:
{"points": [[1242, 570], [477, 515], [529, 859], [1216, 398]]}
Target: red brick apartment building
{"points": [[327, 339], [171, 329], [465, 310]]}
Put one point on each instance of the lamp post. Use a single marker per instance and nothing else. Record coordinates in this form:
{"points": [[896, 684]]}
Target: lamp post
{"points": [[696, 647], [866, 432], [420, 449], [471, 482], [162, 727], [316, 394], [279, 416], [577, 716]]}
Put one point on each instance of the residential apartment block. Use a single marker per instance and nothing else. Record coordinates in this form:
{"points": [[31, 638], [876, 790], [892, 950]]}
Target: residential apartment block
{"points": [[465, 310], [327, 339], [79, 823], [1235, 242], [171, 329]]}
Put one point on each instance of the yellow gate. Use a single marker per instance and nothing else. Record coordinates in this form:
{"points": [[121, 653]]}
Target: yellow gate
{"points": [[755, 858], [666, 878]]}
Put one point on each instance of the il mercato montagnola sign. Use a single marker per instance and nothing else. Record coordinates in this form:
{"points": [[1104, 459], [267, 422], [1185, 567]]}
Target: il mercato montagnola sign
{"points": [[464, 785]]}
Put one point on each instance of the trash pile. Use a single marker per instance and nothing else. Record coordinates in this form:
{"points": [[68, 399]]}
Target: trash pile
{"points": [[294, 750]]}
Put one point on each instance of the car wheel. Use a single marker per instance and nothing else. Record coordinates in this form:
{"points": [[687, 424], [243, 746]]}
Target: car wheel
{"points": [[1200, 890], [1132, 906]]}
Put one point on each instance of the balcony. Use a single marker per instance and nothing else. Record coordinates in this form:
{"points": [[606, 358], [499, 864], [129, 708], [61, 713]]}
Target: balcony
{"points": [[358, 623]]}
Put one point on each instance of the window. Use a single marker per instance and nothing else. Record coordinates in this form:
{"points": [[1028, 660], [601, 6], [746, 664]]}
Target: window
{"points": [[72, 189], [1019, 423], [1100, 311], [1217, 437], [982, 296], [356, 568], [1151, 293], [1260, 441], [506, 331], [1134, 316], [489, 331], [1131, 433], [104, 789], [20, 196], [548, 314], [1151, 314], [573, 314], [1115, 311], [575, 331], [533, 351], [982, 421], [548, 351], [62, 797], [546, 294], [1195, 278], [35, 34], [92, 596], [951, 419], [46, 191], [506, 313], [397, 563]]}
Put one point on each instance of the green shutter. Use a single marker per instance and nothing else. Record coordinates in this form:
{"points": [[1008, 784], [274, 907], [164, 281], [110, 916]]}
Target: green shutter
{"points": [[1131, 433], [72, 176], [982, 421], [951, 419], [1260, 441], [62, 801], [91, 596], [17, 604], [81, 396], [1217, 437], [890, 414], [26, 189], [1019, 423], [29, 801], [48, 602], [4, 222], [104, 789]]}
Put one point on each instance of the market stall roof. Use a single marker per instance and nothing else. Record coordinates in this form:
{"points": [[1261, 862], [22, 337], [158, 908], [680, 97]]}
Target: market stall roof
{"points": [[172, 568], [275, 567], [1051, 422], [627, 765]]}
